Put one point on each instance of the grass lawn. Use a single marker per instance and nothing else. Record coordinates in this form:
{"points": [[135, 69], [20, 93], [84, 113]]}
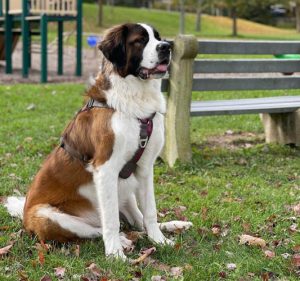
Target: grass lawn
{"points": [[246, 187]]}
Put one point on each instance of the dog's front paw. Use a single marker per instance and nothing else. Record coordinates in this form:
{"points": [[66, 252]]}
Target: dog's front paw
{"points": [[113, 247], [158, 238], [117, 254]]}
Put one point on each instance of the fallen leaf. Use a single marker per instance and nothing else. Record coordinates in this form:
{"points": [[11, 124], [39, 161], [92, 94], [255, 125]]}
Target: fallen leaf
{"points": [[28, 139], [5, 250], [296, 260], [77, 250], [293, 227], [23, 275], [252, 241], [204, 212], [285, 255], [176, 272], [269, 254], [157, 278], [296, 248], [134, 235], [41, 257], [46, 278], [144, 255], [296, 209], [59, 272], [31, 107], [246, 227], [216, 229], [95, 270], [231, 266], [222, 274]]}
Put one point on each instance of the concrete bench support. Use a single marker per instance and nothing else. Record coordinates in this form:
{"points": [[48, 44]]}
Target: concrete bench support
{"points": [[282, 128], [178, 145]]}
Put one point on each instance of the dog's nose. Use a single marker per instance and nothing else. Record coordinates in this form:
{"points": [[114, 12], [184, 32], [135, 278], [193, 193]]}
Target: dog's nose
{"points": [[163, 47]]}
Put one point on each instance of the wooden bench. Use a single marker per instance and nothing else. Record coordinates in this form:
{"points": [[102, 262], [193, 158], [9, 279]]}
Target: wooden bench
{"points": [[280, 115]]}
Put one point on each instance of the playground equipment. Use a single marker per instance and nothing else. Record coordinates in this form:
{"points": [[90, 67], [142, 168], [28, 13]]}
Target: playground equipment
{"points": [[31, 17]]}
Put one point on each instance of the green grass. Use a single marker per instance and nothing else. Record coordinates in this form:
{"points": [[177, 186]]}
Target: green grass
{"points": [[234, 188]]}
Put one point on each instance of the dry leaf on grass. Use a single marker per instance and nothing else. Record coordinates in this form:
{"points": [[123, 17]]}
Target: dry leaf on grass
{"points": [[77, 250], [296, 209], [146, 253], [59, 272], [41, 257], [158, 278], [296, 260], [95, 270], [269, 254], [134, 235], [46, 278], [176, 272], [231, 266], [252, 241], [5, 250]]}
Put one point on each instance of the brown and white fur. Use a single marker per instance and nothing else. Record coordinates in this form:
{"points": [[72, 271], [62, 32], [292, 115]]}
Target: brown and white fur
{"points": [[68, 200]]}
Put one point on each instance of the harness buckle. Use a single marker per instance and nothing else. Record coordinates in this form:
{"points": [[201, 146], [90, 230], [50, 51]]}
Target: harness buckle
{"points": [[143, 142]]}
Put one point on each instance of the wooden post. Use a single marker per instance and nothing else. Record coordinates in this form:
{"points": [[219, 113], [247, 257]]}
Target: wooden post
{"points": [[8, 39], [282, 128], [178, 145], [25, 39], [60, 30], [44, 48], [78, 70]]}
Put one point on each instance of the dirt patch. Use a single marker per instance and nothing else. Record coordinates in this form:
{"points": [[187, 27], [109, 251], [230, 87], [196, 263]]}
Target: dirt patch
{"points": [[90, 65], [233, 140]]}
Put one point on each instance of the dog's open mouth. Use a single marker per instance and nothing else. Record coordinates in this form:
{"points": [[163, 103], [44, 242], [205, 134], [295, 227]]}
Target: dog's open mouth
{"points": [[157, 72]]}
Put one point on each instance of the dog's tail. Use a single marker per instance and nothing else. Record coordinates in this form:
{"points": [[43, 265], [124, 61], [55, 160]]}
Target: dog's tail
{"points": [[15, 206]]}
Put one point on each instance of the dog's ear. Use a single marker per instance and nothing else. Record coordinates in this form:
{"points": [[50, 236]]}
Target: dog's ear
{"points": [[113, 45]]}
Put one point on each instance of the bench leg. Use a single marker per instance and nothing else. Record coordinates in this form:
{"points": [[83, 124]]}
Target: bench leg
{"points": [[282, 128]]}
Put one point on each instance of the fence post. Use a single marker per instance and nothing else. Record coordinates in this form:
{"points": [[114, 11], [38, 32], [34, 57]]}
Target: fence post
{"points": [[177, 123]]}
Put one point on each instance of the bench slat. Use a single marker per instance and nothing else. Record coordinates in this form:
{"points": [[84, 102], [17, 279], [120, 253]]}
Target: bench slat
{"points": [[246, 66], [248, 47], [245, 106], [236, 84]]}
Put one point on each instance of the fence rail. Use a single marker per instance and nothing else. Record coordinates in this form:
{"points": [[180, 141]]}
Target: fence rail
{"points": [[248, 47], [246, 66], [49, 7]]}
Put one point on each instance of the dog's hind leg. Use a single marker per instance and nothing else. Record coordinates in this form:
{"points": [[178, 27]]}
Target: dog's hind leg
{"points": [[51, 224]]}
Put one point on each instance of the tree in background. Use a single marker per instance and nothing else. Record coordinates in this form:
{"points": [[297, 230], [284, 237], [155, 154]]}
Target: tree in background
{"points": [[297, 10], [199, 14], [100, 12]]}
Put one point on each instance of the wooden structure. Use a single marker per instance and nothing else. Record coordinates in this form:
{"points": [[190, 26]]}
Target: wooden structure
{"points": [[27, 14], [280, 115]]}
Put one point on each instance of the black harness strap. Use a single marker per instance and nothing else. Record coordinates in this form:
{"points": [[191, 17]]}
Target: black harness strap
{"points": [[146, 127]]}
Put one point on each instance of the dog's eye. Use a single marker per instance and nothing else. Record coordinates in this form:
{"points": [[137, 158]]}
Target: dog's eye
{"points": [[138, 41]]}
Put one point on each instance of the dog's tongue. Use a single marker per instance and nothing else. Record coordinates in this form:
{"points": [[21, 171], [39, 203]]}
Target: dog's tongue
{"points": [[162, 67]]}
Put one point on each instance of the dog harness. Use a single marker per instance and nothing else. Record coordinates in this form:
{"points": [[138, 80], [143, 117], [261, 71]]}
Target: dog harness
{"points": [[146, 128]]}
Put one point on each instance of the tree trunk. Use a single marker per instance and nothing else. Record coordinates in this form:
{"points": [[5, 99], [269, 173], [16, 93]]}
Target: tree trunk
{"points": [[100, 12], [298, 16], [199, 14], [181, 27], [234, 21]]}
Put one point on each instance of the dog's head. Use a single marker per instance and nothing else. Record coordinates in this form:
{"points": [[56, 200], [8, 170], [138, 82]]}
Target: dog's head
{"points": [[136, 49]]}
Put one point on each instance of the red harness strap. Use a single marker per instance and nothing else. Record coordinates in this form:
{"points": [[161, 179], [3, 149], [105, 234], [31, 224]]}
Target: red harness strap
{"points": [[146, 128]]}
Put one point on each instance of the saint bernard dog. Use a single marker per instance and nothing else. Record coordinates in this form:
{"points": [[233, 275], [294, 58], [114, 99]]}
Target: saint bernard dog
{"points": [[103, 169]]}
